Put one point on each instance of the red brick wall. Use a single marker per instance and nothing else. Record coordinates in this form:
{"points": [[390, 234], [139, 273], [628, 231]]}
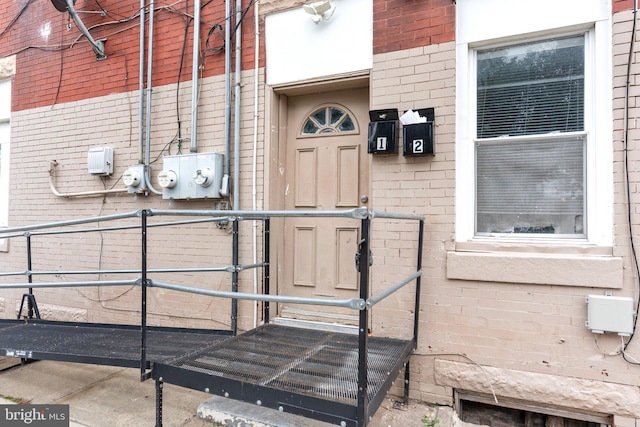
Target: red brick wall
{"points": [[619, 5], [405, 24], [60, 69], [63, 68]]}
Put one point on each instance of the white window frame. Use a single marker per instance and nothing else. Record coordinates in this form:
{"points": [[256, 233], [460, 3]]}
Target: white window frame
{"points": [[5, 132], [496, 23]]}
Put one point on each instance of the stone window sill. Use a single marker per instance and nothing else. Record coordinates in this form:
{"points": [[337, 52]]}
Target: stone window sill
{"points": [[582, 266]]}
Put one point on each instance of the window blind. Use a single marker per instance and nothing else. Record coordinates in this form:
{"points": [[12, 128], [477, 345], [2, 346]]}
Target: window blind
{"points": [[531, 89]]}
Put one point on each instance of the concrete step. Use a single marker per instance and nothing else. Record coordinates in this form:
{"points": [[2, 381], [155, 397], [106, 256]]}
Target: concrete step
{"points": [[233, 413]]}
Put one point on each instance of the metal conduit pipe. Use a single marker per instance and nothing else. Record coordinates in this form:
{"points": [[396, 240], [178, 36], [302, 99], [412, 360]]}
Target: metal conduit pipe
{"points": [[141, 86], [194, 77], [236, 156], [147, 160], [97, 46], [254, 185], [96, 193], [224, 191]]}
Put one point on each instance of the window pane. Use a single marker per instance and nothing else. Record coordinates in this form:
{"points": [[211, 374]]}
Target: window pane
{"points": [[327, 120], [336, 115], [347, 125], [531, 89], [530, 187], [310, 127], [5, 100], [4, 173], [320, 116]]}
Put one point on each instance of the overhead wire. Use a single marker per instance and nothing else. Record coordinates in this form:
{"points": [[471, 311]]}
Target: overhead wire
{"points": [[636, 266], [122, 19], [187, 20], [15, 18]]}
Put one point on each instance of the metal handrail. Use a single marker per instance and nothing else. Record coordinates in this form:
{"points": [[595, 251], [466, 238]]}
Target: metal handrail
{"points": [[70, 284], [243, 215], [215, 215], [391, 215], [68, 223], [371, 301], [363, 304], [353, 303]]}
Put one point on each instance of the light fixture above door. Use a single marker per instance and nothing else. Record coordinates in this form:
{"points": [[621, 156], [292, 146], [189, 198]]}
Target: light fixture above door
{"points": [[320, 10]]}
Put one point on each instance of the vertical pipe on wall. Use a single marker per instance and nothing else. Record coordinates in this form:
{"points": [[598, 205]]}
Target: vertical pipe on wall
{"points": [[236, 135], [194, 77], [254, 178], [224, 191], [141, 85], [147, 160]]}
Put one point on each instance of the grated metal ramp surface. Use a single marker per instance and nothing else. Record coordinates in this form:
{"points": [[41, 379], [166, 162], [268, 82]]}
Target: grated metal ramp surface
{"points": [[117, 345], [316, 363]]}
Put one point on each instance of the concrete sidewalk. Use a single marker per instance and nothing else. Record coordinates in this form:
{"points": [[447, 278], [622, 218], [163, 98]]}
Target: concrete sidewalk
{"points": [[100, 396], [106, 396]]}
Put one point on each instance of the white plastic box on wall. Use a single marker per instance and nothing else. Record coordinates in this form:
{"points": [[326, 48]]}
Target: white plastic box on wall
{"points": [[607, 313], [100, 161]]}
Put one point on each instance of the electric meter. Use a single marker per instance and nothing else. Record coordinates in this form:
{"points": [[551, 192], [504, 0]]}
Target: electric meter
{"points": [[167, 179], [131, 177], [203, 177]]}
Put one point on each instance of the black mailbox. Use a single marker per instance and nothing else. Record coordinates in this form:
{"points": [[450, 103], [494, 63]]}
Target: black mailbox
{"points": [[418, 137], [383, 131]]}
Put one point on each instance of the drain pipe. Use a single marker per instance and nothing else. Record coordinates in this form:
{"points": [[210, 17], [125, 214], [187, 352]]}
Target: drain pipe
{"points": [[224, 191], [147, 161], [236, 157], [195, 77]]}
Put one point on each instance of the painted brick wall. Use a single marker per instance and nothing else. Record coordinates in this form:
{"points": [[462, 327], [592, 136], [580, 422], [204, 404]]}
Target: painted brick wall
{"points": [[515, 327], [56, 65], [64, 133], [534, 328], [410, 79]]}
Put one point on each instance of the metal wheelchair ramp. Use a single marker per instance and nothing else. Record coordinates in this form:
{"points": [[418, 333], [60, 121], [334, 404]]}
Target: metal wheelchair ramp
{"points": [[307, 372], [328, 375], [99, 344]]}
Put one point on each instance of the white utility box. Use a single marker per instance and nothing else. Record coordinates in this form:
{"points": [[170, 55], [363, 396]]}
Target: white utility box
{"points": [[100, 161], [606, 313], [191, 176]]}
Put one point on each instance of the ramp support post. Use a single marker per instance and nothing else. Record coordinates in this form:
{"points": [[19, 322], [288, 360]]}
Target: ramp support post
{"points": [[407, 374], [159, 386]]}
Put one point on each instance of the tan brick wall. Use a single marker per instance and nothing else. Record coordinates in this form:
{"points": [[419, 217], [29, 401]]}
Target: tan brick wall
{"points": [[64, 133], [411, 79], [511, 327]]}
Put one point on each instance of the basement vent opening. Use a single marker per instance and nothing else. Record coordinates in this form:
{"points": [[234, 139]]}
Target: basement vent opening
{"points": [[482, 410]]}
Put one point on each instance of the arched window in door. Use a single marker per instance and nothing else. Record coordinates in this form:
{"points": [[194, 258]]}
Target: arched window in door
{"points": [[329, 119]]}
